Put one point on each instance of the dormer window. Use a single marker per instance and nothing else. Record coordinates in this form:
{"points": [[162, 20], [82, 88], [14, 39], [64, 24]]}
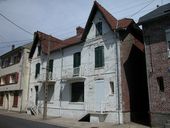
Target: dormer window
{"points": [[98, 28]]}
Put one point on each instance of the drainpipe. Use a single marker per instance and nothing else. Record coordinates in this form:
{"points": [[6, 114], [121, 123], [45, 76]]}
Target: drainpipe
{"points": [[21, 77], [60, 97], [28, 94], [118, 73]]}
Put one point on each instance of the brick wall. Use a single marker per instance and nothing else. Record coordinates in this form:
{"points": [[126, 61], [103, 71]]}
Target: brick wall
{"points": [[158, 64]]}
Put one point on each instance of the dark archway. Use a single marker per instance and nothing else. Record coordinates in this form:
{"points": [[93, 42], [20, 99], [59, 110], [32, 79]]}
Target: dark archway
{"points": [[135, 71]]}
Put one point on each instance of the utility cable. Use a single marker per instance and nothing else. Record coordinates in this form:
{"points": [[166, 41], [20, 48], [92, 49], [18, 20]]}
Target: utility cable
{"points": [[15, 24], [142, 8]]}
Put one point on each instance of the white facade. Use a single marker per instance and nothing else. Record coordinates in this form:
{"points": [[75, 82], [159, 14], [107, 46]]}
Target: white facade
{"points": [[100, 99]]}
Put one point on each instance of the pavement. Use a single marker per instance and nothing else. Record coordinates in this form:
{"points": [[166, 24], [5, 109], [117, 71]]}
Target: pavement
{"points": [[69, 123]]}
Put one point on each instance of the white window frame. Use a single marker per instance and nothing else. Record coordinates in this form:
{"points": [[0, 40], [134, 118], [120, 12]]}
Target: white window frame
{"points": [[168, 40]]}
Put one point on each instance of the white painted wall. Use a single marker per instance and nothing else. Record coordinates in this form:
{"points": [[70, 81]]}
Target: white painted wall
{"points": [[63, 76]]}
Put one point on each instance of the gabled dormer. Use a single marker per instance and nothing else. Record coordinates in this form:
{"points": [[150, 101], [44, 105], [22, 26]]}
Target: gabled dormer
{"points": [[99, 23]]}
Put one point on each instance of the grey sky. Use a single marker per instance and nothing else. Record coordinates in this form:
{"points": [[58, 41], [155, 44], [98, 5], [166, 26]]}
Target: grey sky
{"points": [[58, 17]]}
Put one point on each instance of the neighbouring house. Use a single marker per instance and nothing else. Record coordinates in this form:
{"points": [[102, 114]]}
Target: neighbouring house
{"points": [[156, 32], [14, 78], [98, 75]]}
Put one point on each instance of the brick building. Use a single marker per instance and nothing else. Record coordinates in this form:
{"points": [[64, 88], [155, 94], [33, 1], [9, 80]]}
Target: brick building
{"points": [[156, 30]]}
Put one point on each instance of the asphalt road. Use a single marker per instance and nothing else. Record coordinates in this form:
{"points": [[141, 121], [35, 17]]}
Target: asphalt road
{"points": [[12, 122]]}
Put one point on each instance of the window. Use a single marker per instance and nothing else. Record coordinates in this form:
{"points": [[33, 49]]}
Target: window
{"points": [[99, 56], [15, 100], [168, 41], [160, 83], [77, 92], [1, 99], [77, 59], [98, 28], [39, 50], [112, 87], [14, 78], [76, 63], [37, 70]]}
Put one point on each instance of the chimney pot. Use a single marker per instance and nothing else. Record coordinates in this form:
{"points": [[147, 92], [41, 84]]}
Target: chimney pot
{"points": [[79, 30], [13, 47]]}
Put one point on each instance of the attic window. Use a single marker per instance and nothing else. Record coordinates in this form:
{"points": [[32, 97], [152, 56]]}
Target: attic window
{"points": [[39, 50], [99, 28]]}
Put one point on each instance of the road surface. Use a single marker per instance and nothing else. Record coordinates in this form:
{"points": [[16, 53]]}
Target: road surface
{"points": [[12, 122]]}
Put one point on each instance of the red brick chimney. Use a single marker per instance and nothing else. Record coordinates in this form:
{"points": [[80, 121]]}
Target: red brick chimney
{"points": [[79, 30]]}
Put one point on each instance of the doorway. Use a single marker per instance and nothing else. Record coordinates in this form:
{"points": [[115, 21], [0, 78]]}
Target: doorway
{"points": [[135, 71], [99, 95]]}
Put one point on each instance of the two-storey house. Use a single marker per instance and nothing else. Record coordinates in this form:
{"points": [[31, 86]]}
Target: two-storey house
{"points": [[14, 77], [91, 74]]}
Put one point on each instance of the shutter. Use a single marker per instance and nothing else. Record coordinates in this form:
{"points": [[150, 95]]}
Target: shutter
{"points": [[1, 99], [15, 102], [51, 66], [99, 56], [102, 56], [16, 77], [7, 79], [77, 59], [37, 70]]}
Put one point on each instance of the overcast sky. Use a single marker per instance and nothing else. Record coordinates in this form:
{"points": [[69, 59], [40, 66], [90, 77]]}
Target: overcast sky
{"points": [[59, 17]]}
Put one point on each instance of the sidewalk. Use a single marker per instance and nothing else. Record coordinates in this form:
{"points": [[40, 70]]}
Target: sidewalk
{"points": [[70, 123]]}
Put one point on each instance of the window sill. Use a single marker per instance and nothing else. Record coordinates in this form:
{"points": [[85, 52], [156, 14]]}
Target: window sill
{"points": [[98, 68], [77, 103]]}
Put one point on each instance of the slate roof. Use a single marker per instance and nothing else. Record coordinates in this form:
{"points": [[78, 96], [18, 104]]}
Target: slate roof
{"points": [[160, 11]]}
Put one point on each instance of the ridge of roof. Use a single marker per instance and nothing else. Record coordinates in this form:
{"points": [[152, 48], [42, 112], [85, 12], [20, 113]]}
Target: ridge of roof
{"points": [[123, 23], [112, 21]]}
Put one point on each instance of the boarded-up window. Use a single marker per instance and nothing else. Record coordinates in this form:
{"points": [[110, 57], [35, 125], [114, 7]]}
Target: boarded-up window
{"points": [[99, 56], [77, 92], [1, 99], [15, 101], [37, 70]]}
